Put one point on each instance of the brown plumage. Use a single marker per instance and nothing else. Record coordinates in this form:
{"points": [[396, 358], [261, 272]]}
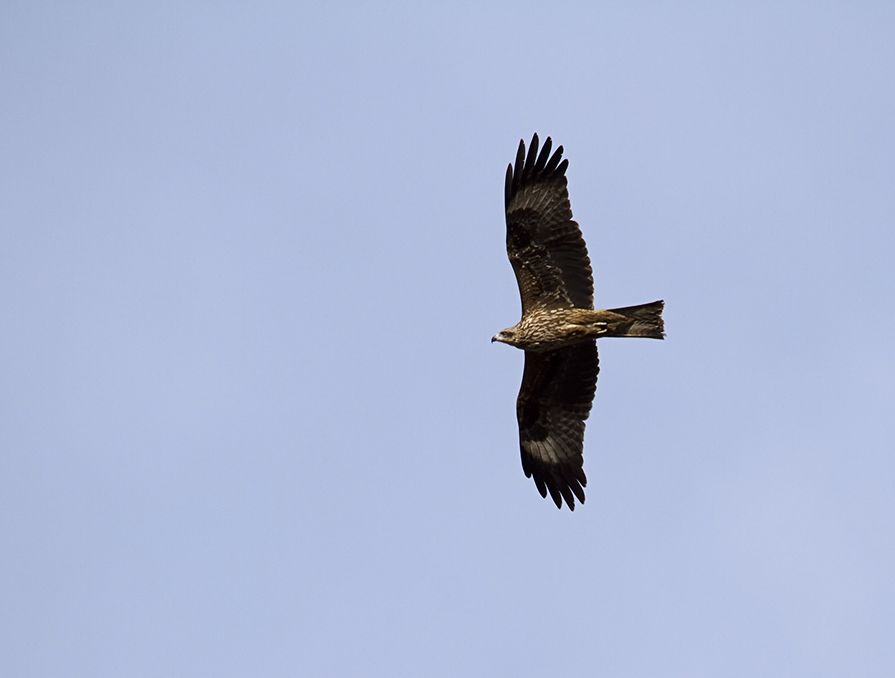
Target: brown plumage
{"points": [[559, 325]]}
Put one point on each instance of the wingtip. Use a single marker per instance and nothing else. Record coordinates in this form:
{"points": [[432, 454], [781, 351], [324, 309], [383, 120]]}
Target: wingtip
{"points": [[531, 156], [554, 160], [508, 186], [557, 498]]}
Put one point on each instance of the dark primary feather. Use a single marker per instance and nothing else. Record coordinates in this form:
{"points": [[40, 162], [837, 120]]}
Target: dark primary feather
{"points": [[544, 245], [554, 401]]}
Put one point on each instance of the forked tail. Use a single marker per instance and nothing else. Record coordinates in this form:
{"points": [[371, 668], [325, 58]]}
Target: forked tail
{"points": [[643, 320]]}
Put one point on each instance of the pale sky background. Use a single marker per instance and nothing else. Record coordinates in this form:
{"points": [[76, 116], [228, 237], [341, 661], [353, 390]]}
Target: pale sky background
{"points": [[251, 422]]}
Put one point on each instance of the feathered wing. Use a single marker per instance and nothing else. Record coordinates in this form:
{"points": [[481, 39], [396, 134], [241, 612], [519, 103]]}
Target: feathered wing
{"points": [[554, 401], [544, 245]]}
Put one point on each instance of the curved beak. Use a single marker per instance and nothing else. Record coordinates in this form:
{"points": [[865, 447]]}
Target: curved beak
{"points": [[493, 339]]}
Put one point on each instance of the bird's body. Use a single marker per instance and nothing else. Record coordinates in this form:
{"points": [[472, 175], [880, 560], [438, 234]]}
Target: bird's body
{"points": [[559, 325], [549, 329]]}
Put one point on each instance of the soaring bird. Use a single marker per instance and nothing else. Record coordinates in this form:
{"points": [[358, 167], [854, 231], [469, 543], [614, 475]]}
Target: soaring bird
{"points": [[559, 325]]}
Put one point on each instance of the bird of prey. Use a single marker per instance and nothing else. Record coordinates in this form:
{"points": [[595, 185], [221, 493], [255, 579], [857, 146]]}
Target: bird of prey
{"points": [[559, 325]]}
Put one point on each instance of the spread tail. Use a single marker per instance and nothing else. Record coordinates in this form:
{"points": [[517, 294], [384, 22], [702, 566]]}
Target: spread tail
{"points": [[643, 320]]}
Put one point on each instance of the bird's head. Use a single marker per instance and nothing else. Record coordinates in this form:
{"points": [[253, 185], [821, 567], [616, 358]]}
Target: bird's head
{"points": [[507, 336]]}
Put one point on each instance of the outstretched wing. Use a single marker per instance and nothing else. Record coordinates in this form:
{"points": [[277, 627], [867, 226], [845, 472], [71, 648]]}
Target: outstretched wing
{"points": [[545, 246], [557, 391]]}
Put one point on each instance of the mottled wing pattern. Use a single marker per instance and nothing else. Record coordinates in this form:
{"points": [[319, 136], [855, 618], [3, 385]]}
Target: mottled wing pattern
{"points": [[544, 245], [554, 401]]}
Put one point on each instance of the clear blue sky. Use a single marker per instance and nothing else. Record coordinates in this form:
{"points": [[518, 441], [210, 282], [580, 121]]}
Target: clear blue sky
{"points": [[251, 423]]}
